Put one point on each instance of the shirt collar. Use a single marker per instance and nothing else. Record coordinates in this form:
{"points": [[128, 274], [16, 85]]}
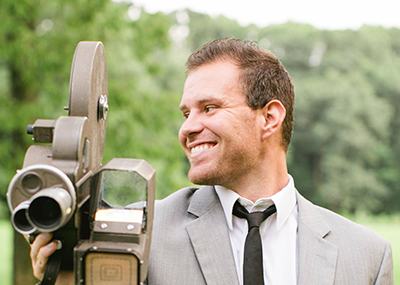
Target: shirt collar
{"points": [[285, 200]]}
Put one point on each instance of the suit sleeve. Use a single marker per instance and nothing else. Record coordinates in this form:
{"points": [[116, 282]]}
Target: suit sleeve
{"points": [[385, 274]]}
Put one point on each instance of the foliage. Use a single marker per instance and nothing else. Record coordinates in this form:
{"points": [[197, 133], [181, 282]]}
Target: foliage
{"points": [[36, 48], [343, 153]]}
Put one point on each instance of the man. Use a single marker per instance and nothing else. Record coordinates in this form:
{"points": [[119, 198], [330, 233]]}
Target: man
{"points": [[238, 109]]}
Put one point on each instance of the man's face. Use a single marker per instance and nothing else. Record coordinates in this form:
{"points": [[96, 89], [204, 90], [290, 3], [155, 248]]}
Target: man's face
{"points": [[220, 134]]}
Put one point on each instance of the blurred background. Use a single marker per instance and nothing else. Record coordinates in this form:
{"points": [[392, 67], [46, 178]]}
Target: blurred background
{"points": [[343, 58]]}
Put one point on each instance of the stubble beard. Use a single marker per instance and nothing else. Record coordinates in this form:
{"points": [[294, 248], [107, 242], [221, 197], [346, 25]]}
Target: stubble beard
{"points": [[211, 177], [224, 174]]}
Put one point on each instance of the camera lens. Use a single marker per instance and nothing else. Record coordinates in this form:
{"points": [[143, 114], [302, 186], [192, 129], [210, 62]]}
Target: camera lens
{"points": [[19, 219], [45, 212], [52, 199], [50, 209]]}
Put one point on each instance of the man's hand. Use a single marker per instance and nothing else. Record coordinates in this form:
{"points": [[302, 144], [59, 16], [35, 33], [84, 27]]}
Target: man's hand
{"points": [[41, 249]]}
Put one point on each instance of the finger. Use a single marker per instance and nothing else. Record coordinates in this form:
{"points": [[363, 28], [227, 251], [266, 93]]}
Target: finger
{"points": [[39, 264], [40, 241]]}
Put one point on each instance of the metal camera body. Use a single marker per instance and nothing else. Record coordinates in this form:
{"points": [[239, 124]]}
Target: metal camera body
{"points": [[62, 185], [119, 245]]}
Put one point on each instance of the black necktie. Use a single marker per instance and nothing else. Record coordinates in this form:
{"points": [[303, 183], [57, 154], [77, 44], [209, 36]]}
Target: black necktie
{"points": [[253, 261]]}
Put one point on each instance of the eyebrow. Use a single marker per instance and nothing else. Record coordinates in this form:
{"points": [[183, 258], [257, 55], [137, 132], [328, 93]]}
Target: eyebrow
{"points": [[182, 107], [202, 102]]}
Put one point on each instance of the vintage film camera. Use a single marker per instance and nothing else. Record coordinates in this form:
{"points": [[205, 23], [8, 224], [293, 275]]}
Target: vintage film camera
{"points": [[63, 188]]}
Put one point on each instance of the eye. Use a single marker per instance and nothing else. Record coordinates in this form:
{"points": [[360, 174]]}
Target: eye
{"points": [[185, 115], [210, 108]]}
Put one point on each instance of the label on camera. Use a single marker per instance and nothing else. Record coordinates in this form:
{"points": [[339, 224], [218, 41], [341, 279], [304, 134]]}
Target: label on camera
{"points": [[119, 215]]}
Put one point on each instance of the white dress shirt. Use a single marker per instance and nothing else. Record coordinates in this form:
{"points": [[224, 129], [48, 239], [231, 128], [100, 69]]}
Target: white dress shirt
{"points": [[278, 233]]}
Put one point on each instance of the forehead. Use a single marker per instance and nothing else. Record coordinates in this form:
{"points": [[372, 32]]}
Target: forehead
{"points": [[217, 80]]}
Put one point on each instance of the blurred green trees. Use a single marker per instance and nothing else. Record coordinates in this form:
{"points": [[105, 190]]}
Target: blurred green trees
{"points": [[37, 41], [345, 143], [345, 150]]}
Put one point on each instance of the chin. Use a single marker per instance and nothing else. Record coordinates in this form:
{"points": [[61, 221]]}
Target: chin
{"points": [[203, 177]]}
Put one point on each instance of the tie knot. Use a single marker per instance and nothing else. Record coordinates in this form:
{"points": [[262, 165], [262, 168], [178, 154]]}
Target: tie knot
{"points": [[254, 219]]}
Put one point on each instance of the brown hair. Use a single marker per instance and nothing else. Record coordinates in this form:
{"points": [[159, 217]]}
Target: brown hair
{"points": [[263, 76]]}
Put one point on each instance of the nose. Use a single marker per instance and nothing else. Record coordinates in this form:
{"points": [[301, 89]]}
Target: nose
{"points": [[192, 125]]}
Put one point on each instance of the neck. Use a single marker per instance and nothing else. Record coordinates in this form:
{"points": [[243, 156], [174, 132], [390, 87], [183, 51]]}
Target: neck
{"points": [[263, 183]]}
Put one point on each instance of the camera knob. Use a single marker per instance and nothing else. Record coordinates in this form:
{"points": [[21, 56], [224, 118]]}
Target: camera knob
{"points": [[102, 107], [29, 129]]}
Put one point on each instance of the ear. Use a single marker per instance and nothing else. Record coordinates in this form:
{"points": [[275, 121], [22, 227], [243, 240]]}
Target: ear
{"points": [[273, 115]]}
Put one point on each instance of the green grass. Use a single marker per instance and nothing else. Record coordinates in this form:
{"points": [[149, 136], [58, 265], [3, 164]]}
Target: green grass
{"points": [[386, 226], [6, 249]]}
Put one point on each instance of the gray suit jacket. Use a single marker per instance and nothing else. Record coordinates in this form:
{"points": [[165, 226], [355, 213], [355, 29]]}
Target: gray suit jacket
{"points": [[191, 245]]}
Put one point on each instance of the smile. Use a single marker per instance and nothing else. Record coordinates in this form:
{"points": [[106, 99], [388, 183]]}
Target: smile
{"points": [[201, 147]]}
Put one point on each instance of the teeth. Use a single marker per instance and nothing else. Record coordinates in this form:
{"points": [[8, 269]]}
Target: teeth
{"points": [[200, 148]]}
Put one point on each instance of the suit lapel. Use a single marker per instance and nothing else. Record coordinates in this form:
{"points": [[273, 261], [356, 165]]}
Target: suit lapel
{"points": [[317, 256], [209, 236]]}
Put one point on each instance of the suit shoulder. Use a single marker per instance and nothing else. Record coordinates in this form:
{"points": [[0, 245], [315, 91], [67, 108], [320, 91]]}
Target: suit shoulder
{"points": [[175, 204], [338, 227], [350, 229], [359, 250], [182, 196]]}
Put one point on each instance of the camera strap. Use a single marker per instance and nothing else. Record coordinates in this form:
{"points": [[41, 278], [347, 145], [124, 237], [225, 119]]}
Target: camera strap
{"points": [[52, 268]]}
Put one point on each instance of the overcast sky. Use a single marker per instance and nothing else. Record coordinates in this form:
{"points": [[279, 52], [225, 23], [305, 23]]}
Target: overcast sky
{"points": [[323, 14]]}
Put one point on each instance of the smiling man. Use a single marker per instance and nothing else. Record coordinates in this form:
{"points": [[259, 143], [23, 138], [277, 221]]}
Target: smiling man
{"points": [[220, 138], [237, 106]]}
